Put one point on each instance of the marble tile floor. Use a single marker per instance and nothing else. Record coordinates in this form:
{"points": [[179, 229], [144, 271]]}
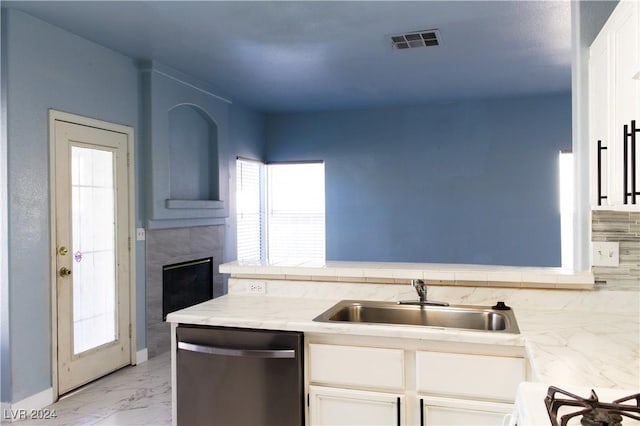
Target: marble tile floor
{"points": [[134, 395]]}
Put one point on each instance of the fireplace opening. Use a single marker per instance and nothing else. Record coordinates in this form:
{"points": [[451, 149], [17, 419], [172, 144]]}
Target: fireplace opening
{"points": [[186, 284]]}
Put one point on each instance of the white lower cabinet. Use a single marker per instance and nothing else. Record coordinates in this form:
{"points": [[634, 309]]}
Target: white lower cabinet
{"points": [[469, 376], [358, 385], [464, 383], [450, 411], [333, 406]]}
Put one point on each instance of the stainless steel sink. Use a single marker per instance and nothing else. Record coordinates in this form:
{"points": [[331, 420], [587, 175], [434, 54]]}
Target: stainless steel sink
{"points": [[481, 318]]}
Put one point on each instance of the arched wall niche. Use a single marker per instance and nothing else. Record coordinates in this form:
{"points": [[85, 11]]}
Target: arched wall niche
{"points": [[185, 129], [193, 154]]}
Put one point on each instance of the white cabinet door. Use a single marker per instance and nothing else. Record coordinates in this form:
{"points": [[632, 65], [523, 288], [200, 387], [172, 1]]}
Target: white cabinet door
{"points": [[614, 101], [448, 411], [332, 406], [626, 90], [469, 376], [599, 121], [356, 366]]}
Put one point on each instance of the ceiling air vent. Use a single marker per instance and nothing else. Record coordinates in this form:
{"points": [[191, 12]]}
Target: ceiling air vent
{"points": [[426, 38]]}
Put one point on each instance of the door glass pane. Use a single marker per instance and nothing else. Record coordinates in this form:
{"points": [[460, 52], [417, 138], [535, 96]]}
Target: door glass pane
{"points": [[94, 262]]}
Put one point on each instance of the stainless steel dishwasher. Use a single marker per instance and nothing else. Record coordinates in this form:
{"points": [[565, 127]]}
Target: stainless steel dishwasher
{"points": [[234, 376]]}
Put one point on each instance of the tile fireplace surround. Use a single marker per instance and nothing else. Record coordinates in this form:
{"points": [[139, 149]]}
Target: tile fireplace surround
{"points": [[169, 246]]}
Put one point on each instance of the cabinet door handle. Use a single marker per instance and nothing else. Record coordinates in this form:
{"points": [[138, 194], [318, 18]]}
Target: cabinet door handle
{"points": [[629, 139], [247, 353], [398, 409], [421, 412], [600, 196]]}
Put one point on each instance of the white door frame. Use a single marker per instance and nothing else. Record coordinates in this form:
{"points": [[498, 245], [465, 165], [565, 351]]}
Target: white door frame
{"points": [[54, 116]]}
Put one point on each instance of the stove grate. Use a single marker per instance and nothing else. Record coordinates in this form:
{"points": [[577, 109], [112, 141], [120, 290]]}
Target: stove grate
{"points": [[592, 411]]}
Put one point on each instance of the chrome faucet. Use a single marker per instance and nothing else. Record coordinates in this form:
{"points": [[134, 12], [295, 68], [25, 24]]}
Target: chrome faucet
{"points": [[421, 289]]}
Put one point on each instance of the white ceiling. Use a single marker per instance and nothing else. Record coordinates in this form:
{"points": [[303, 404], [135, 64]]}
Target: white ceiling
{"points": [[285, 56]]}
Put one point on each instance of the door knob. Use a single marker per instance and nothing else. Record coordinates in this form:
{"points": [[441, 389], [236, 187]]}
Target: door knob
{"points": [[65, 272], [63, 251]]}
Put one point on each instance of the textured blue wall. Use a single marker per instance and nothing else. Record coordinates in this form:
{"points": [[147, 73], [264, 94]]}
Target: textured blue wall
{"points": [[463, 182], [165, 91], [247, 129], [193, 154], [48, 68]]}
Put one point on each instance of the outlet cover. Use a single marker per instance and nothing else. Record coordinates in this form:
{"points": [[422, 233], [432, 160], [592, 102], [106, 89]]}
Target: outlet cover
{"points": [[140, 234], [257, 287], [605, 253]]}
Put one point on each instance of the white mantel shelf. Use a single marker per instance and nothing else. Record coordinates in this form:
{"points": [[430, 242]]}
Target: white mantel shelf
{"points": [[400, 273]]}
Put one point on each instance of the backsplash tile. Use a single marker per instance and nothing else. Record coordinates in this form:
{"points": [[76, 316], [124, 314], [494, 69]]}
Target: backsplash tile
{"points": [[623, 227]]}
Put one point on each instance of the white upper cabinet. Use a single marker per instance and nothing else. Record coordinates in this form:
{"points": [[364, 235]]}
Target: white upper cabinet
{"points": [[614, 102]]}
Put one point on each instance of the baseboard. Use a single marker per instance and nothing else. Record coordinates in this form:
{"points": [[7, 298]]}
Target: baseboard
{"points": [[142, 356], [22, 410], [6, 412]]}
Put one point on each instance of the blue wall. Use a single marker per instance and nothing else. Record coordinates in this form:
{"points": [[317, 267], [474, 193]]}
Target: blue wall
{"points": [[46, 67], [463, 182], [246, 130]]}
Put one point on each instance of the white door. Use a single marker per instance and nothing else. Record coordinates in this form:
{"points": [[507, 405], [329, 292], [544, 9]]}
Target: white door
{"points": [[332, 406], [92, 252]]}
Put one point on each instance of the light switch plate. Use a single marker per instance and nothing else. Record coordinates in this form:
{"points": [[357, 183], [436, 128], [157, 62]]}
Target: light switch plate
{"points": [[605, 253], [140, 234]]}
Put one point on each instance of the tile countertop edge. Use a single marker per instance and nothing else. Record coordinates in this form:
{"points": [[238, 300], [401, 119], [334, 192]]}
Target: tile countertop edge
{"points": [[427, 271], [557, 356]]}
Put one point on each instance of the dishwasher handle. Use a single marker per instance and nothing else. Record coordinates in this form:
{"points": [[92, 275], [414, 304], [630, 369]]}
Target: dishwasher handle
{"points": [[247, 353]]}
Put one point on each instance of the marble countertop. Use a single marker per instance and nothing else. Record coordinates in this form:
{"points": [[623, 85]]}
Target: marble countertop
{"points": [[564, 347], [548, 277]]}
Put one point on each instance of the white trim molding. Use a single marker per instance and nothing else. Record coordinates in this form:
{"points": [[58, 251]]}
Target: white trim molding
{"points": [[142, 356], [23, 409]]}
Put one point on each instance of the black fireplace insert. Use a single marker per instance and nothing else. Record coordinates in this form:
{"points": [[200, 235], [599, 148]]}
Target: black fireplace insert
{"points": [[186, 284]]}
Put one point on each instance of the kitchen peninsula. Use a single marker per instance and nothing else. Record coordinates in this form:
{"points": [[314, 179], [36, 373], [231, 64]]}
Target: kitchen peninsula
{"points": [[571, 332]]}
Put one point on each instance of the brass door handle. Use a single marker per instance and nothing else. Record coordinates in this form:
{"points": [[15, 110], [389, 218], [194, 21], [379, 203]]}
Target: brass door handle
{"points": [[65, 272], [63, 251]]}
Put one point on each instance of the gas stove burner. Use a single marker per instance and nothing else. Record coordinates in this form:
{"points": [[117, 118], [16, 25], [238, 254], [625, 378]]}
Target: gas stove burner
{"points": [[592, 411], [600, 417]]}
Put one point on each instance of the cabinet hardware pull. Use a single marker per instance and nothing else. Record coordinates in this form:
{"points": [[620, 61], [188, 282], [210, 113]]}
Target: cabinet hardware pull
{"points": [[247, 353], [398, 409], [600, 196], [421, 412], [629, 134]]}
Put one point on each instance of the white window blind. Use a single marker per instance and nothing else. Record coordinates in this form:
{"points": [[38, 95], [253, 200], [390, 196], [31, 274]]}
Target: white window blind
{"points": [[248, 208], [295, 217]]}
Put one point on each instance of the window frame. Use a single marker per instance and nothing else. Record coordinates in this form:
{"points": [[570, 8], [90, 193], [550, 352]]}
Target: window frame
{"points": [[264, 206]]}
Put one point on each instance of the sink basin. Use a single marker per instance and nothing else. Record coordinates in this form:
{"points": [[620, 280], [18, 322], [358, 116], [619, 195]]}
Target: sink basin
{"points": [[481, 318]]}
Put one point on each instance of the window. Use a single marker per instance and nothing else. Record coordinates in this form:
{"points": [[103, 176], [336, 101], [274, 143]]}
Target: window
{"points": [[281, 211], [249, 210], [295, 220]]}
